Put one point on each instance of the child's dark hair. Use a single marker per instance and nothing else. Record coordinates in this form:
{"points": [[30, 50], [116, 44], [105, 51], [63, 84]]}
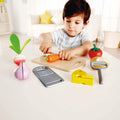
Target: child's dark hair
{"points": [[77, 7]]}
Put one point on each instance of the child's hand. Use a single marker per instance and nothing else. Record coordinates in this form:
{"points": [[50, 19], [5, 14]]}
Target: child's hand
{"points": [[46, 47], [46, 43], [66, 54]]}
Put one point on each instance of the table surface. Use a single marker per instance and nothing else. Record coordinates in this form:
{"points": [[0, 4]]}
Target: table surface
{"points": [[30, 100]]}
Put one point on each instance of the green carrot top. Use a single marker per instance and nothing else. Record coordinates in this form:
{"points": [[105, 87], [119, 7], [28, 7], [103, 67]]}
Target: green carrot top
{"points": [[16, 43]]}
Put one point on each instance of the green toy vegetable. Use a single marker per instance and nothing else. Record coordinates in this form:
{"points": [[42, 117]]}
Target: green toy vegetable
{"points": [[16, 43], [16, 47]]}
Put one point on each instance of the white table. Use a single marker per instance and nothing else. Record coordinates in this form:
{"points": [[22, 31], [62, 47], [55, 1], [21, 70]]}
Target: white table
{"points": [[30, 100]]}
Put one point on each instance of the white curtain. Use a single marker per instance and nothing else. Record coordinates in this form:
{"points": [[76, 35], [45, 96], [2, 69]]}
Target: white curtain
{"points": [[109, 11]]}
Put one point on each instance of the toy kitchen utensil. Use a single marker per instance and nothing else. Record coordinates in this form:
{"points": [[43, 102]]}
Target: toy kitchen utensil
{"points": [[65, 65], [98, 65]]}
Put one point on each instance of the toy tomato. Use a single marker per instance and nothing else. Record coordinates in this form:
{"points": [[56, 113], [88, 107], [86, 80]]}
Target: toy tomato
{"points": [[95, 52]]}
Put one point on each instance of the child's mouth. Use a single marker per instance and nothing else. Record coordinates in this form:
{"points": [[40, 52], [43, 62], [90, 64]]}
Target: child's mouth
{"points": [[70, 30]]}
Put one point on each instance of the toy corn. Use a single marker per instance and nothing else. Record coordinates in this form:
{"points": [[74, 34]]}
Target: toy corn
{"points": [[81, 77]]}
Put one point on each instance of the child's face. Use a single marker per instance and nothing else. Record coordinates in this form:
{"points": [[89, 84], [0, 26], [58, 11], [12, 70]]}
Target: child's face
{"points": [[74, 25]]}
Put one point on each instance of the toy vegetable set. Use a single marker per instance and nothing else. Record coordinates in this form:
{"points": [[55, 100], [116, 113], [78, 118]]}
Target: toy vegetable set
{"points": [[97, 62], [22, 71], [95, 52], [53, 58], [16, 47]]}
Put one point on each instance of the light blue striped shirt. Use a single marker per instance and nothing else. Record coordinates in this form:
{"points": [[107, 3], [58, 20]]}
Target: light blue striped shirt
{"points": [[63, 41]]}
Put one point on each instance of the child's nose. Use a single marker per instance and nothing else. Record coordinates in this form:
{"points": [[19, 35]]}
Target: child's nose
{"points": [[71, 24]]}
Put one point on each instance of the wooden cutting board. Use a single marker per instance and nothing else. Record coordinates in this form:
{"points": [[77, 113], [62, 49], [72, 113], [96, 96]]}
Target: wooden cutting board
{"points": [[64, 65]]}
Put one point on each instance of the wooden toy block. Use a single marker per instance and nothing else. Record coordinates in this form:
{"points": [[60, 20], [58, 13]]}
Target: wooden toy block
{"points": [[2, 1], [81, 77]]}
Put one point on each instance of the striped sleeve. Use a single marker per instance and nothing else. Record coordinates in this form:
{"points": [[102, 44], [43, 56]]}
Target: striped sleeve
{"points": [[85, 37], [56, 35]]}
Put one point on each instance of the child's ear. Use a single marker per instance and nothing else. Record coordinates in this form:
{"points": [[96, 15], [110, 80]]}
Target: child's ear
{"points": [[64, 21], [86, 23]]}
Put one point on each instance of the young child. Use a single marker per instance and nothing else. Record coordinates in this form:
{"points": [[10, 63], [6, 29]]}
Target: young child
{"points": [[71, 40]]}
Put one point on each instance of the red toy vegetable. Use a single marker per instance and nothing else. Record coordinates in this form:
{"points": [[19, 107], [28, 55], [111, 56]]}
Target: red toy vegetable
{"points": [[53, 58], [17, 62], [95, 52], [18, 59]]}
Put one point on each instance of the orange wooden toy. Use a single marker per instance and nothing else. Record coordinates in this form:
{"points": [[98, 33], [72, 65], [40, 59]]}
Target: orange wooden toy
{"points": [[53, 58]]}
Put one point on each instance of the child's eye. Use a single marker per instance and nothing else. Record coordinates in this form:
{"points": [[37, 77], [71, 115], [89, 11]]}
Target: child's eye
{"points": [[68, 21], [77, 22]]}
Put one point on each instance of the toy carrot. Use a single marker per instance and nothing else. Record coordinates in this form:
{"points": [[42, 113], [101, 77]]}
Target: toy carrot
{"points": [[53, 58]]}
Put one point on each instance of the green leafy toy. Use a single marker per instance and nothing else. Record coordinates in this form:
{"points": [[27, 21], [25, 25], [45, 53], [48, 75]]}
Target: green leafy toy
{"points": [[16, 47], [16, 43]]}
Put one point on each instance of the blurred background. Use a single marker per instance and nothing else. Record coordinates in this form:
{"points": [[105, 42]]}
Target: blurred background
{"points": [[106, 12]]}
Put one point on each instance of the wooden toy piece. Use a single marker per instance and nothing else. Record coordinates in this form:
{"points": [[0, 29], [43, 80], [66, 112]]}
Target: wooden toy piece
{"points": [[16, 48], [100, 59], [2, 1], [81, 77], [95, 52], [16, 43], [99, 63], [53, 58], [22, 72], [65, 65], [18, 59]]}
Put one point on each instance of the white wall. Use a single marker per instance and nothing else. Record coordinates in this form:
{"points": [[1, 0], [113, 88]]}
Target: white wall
{"points": [[20, 11], [39, 6]]}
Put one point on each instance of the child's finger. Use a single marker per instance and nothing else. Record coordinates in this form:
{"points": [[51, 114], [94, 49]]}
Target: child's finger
{"points": [[66, 56], [49, 50], [60, 54], [45, 50], [69, 57], [41, 48]]}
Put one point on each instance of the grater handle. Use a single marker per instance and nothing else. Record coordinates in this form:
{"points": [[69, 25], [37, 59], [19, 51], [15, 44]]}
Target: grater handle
{"points": [[100, 76]]}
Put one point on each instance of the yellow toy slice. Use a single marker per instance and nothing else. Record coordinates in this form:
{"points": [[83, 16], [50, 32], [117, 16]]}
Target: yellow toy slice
{"points": [[81, 77]]}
